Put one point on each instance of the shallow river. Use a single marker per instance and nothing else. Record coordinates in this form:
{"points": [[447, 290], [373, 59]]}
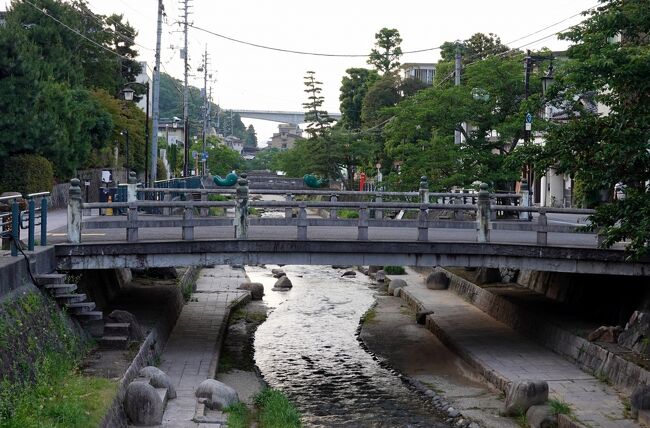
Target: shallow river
{"points": [[308, 348]]}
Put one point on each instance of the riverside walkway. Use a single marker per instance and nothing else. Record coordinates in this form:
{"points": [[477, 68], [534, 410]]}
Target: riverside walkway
{"points": [[192, 352], [505, 356]]}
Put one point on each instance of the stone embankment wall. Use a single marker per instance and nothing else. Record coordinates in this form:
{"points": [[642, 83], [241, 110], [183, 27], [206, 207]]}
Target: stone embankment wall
{"points": [[591, 357], [150, 349]]}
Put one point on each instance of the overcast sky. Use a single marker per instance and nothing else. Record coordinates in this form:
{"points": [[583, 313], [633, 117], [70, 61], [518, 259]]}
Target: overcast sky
{"points": [[246, 77]]}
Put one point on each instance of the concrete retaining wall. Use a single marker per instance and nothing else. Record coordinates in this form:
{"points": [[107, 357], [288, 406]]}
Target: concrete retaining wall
{"points": [[149, 349], [589, 356], [14, 272]]}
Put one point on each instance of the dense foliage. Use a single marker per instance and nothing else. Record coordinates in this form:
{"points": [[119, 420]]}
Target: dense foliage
{"points": [[26, 174], [608, 65]]}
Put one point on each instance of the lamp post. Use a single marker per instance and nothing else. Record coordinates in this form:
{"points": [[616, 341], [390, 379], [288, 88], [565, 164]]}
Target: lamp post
{"points": [[125, 132], [128, 93], [529, 60]]}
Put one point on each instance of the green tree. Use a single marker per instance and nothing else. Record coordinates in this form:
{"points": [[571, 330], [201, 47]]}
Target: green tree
{"points": [[354, 87], [221, 159], [318, 120], [608, 65], [479, 46], [383, 93], [251, 137], [265, 159], [387, 51], [491, 101]]}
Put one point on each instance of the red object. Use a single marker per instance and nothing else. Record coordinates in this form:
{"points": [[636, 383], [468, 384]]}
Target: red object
{"points": [[362, 181]]}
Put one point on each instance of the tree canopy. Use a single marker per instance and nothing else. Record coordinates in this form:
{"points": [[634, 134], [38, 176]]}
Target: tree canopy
{"points": [[608, 65], [387, 51]]}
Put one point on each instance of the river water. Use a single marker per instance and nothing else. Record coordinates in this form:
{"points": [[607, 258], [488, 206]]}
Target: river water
{"points": [[308, 349]]}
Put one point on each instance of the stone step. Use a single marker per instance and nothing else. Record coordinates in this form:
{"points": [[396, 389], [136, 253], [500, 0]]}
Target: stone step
{"points": [[113, 342], [55, 289], [88, 317], [63, 299], [80, 307], [117, 328], [49, 278]]}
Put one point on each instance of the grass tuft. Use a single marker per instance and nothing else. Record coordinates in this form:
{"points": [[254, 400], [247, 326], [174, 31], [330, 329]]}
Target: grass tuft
{"points": [[394, 270], [276, 411], [238, 416], [559, 407], [369, 316]]}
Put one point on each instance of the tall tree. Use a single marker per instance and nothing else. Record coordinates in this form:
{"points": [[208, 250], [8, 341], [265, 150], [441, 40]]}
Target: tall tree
{"points": [[251, 137], [609, 63], [479, 46], [383, 93], [318, 119], [354, 87], [387, 51]]}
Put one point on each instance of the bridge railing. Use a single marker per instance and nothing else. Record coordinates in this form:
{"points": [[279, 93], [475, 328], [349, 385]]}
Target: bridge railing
{"points": [[236, 213], [12, 222]]}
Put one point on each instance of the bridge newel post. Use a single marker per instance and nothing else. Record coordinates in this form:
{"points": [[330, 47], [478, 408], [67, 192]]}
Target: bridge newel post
{"points": [[288, 212], [131, 219], [483, 214], [457, 200], [302, 221], [542, 231], [188, 230], [241, 209], [167, 197], [424, 189], [362, 234], [75, 206], [333, 211], [204, 210], [423, 226], [525, 200], [379, 213], [131, 187]]}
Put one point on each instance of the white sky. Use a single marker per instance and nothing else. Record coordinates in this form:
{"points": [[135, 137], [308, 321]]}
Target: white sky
{"points": [[252, 78]]}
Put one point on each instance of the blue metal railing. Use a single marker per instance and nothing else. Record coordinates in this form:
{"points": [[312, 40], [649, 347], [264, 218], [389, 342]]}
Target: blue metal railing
{"points": [[35, 215]]}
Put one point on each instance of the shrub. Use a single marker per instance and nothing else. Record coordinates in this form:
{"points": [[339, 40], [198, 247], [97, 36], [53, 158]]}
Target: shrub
{"points": [[26, 174], [348, 214], [275, 410], [394, 270]]}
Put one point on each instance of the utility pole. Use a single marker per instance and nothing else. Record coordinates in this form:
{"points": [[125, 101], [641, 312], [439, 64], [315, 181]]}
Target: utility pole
{"points": [[186, 93], [155, 101], [527, 131], [205, 104], [457, 83]]}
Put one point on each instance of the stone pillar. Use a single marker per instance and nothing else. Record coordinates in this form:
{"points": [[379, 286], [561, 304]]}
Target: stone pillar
{"points": [[74, 212], [204, 210], [302, 221], [379, 213], [525, 200], [333, 211], [241, 209], [423, 226], [424, 189], [288, 212], [132, 218], [362, 234], [188, 230], [131, 188], [542, 234], [483, 214]]}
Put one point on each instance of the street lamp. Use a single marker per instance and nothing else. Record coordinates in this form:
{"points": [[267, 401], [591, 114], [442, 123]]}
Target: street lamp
{"points": [[547, 79], [125, 132], [127, 94]]}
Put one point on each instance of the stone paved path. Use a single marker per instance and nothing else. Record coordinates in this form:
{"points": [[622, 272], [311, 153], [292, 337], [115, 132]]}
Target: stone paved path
{"points": [[497, 347], [191, 353]]}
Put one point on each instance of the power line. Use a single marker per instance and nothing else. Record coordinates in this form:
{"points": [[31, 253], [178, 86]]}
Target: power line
{"points": [[257, 45], [46, 13], [90, 14]]}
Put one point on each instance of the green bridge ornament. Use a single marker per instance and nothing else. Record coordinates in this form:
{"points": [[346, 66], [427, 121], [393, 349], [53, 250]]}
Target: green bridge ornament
{"points": [[230, 180], [314, 182]]}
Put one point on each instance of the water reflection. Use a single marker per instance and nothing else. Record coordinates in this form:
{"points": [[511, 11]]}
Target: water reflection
{"points": [[308, 349]]}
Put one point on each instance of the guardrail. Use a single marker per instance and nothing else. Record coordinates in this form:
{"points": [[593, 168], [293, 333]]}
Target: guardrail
{"points": [[11, 223], [235, 213]]}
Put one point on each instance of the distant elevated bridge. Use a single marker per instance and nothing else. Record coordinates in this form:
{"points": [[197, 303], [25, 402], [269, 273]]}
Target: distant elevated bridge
{"points": [[278, 116]]}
